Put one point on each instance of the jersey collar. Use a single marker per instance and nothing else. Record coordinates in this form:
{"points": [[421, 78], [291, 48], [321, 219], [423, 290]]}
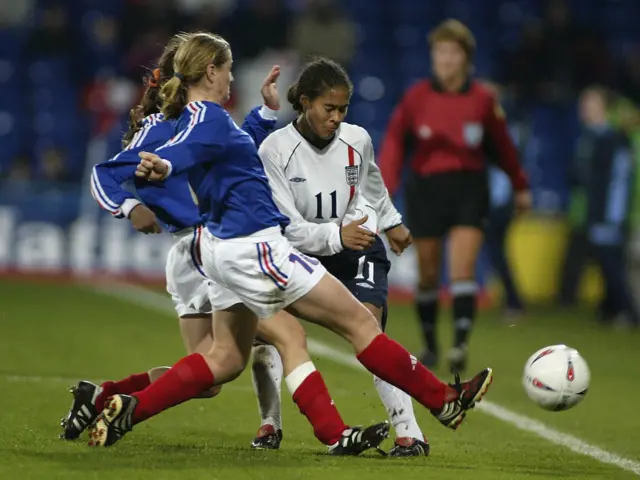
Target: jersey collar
{"points": [[437, 86]]}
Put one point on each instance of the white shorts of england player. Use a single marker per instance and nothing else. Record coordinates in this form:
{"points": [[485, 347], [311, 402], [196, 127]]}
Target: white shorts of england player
{"points": [[191, 291], [263, 270]]}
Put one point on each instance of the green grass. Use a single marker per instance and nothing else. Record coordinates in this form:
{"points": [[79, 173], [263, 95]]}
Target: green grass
{"points": [[51, 333]]}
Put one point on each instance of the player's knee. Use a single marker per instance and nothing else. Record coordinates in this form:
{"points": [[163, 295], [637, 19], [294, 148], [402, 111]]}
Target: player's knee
{"points": [[429, 273], [428, 280], [291, 340], [226, 363], [463, 270], [362, 326]]}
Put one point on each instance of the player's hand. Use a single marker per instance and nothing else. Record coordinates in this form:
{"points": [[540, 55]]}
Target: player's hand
{"points": [[151, 167], [523, 201], [399, 238], [269, 89], [144, 220], [355, 237]]}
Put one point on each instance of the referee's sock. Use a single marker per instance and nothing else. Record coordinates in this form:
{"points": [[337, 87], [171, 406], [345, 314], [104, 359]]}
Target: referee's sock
{"points": [[427, 307], [464, 309]]}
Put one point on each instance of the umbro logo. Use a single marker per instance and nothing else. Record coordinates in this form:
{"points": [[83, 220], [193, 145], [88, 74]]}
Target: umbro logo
{"points": [[298, 180]]}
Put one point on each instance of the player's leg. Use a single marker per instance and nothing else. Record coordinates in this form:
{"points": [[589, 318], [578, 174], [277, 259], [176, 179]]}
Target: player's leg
{"points": [[464, 247], [89, 398], [330, 305], [470, 212], [611, 259], [234, 328], [234, 331], [365, 274], [409, 438], [189, 294], [309, 390], [267, 373], [428, 251], [304, 382], [495, 243], [426, 212], [302, 286]]}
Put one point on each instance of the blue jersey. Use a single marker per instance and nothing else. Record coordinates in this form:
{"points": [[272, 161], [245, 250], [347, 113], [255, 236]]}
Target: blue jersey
{"points": [[233, 191], [173, 201]]}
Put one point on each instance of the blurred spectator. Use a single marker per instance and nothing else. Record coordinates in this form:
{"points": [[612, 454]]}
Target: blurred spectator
{"points": [[556, 57], [263, 26], [197, 8], [323, 29], [604, 170], [147, 46], [501, 213], [102, 55], [15, 13], [107, 99], [53, 165], [140, 16], [52, 35], [630, 81], [20, 169], [207, 17]]}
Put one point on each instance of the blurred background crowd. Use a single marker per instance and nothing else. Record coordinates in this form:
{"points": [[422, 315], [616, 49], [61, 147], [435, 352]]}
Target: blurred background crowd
{"points": [[70, 70]]}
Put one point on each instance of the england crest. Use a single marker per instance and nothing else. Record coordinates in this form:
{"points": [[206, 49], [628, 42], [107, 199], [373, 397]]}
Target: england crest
{"points": [[473, 133], [351, 173]]}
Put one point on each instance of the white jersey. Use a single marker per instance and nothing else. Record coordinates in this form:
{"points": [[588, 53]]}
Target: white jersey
{"points": [[320, 190]]}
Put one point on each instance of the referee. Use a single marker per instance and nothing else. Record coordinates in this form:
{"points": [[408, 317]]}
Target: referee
{"points": [[453, 124]]}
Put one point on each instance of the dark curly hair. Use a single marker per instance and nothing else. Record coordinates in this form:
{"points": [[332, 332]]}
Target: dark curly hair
{"points": [[317, 76], [151, 102]]}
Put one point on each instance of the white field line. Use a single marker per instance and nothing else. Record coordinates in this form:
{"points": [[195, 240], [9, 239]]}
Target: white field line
{"points": [[159, 302]]}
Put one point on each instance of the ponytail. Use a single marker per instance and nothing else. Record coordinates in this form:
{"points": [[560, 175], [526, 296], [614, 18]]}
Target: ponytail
{"points": [[174, 97]]}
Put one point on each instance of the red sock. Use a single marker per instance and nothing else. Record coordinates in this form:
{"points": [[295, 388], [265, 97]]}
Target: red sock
{"points": [[390, 361], [314, 402], [185, 380], [126, 386]]}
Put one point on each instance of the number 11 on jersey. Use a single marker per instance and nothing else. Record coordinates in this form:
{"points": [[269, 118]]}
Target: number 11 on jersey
{"points": [[334, 205], [370, 271]]}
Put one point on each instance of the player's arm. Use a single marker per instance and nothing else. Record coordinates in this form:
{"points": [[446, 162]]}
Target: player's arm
{"points": [[376, 192], [106, 184], [311, 238], [392, 151], [259, 123], [195, 145], [106, 187], [505, 151]]}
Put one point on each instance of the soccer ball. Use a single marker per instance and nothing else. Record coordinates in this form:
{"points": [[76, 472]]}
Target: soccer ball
{"points": [[556, 378]]}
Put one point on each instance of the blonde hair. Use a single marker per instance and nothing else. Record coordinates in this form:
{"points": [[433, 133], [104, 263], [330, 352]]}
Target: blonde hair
{"points": [[190, 64], [454, 31]]}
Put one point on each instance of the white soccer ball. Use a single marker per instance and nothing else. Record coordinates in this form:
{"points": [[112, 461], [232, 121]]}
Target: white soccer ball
{"points": [[556, 377]]}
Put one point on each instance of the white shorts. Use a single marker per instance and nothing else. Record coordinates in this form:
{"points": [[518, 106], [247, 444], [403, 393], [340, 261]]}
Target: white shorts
{"points": [[263, 270], [190, 289]]}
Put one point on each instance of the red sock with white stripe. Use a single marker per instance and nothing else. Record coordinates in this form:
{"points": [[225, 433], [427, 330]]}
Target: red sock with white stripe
{"points": [[391, 362], [185, 380], [126, 386], [312, 397]]}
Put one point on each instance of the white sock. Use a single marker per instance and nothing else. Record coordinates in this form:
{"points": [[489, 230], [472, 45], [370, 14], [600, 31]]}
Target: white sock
{"points": [[266, 373], [399, 408]]}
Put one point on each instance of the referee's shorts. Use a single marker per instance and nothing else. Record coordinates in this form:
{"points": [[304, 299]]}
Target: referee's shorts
{"points": [[436, 203]]}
